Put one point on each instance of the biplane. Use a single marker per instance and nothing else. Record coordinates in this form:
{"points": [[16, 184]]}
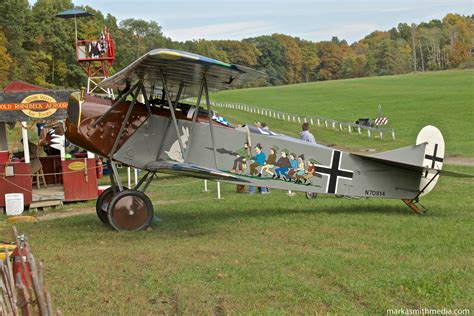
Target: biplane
{"points": [[150, 126]]}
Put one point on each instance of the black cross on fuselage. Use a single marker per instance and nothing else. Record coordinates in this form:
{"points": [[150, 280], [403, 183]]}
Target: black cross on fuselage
{"points": [[334, 172]]}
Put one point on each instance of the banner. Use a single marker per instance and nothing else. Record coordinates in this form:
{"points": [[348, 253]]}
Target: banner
{"points": [[29, 106]]}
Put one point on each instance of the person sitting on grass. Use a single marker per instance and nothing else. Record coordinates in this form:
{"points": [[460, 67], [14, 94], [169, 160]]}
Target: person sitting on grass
{"points": [[283, 165]]}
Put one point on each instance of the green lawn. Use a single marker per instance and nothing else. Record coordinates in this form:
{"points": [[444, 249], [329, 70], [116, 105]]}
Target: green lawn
{"points": [[264, 254], [279, 255], [444, 99]]}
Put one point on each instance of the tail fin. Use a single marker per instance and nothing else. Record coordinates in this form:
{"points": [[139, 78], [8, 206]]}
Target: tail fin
{"points": [[426, 157], [433, 156]]}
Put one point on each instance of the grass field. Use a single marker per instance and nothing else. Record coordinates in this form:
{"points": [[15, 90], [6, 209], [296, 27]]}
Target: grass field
{"points": [[264, 255], [444, 99], [276, 254]]}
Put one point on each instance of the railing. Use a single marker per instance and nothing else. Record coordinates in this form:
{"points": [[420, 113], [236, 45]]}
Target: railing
{"points": [[320, 121], [87, 50]]}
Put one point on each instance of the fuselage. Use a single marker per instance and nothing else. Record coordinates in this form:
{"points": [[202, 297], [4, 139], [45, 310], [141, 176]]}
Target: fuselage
{"points": [[253, 155]]}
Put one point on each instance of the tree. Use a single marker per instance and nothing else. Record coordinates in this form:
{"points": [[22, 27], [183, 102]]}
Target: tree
{"points": [[13, 20], [310, 60], [460, 36], [330, 60], [6, 59], [271, 58], [239, 52], [293, 59]]}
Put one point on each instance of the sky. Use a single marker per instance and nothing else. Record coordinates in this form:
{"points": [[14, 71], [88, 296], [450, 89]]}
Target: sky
{"points": [[312, 20]]}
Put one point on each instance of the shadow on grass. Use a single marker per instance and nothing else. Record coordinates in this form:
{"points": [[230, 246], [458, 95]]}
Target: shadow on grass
{"points": [[187, 221]]}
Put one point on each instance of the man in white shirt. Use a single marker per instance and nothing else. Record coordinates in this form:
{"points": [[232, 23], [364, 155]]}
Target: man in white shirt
{"points": [[306, 135]]}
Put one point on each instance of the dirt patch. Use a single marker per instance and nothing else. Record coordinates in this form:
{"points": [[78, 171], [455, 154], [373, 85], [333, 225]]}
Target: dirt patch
{"points": [[459, 161], [88, 210]]}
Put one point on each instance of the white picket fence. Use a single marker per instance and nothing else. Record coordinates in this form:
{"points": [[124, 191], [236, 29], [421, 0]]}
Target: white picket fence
{"points": [[320, 121]]}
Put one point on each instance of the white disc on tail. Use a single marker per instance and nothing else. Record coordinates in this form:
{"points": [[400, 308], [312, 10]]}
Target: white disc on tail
{"points": [[434, 155]]}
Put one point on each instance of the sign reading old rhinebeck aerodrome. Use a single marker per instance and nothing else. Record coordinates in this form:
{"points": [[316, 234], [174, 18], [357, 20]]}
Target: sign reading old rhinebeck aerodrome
{"points": [[26, 106]]}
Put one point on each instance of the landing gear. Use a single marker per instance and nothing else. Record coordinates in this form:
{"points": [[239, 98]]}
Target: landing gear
{"points": [[415, 206], [102, 204], [130, 210], [311, 195]]}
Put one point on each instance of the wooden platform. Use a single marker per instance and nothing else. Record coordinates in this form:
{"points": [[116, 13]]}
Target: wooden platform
{"points": [[47, 197]]}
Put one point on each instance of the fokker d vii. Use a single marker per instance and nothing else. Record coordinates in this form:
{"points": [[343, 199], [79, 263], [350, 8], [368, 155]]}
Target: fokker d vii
{"points": [[150, 127]]}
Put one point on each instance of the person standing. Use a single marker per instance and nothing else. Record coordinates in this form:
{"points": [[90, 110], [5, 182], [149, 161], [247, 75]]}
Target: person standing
{"points": [[306, 135]]}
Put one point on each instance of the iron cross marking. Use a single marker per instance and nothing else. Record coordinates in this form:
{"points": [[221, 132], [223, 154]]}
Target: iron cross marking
{"points": [[434, 158], [335, 172]]}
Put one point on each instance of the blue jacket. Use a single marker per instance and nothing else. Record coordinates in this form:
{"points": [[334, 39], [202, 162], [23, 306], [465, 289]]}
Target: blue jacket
{"points": [[260, 158], [294, 164]]}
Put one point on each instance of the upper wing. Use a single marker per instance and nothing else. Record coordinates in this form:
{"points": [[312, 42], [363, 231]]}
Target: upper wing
{"points": [[181, 67]]}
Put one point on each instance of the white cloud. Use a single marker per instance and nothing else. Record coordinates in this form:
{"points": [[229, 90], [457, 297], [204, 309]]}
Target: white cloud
{"points": [[232, 30]]}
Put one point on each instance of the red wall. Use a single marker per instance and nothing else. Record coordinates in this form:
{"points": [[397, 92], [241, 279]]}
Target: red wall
{"points": [[78, 186], [17, 183]]}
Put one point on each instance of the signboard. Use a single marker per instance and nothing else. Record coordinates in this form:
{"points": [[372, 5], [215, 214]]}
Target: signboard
{"points": [[28, 106]]}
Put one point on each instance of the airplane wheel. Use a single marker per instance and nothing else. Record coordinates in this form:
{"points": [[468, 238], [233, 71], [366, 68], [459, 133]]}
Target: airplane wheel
{"points": [[130, 210], [311, 195], [102, 203]]}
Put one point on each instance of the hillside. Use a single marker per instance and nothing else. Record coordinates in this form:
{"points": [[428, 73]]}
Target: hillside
{"points": [[444, 99]]}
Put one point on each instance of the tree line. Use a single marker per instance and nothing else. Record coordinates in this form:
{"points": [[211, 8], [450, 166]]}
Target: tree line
{"points": [[39, 48]]}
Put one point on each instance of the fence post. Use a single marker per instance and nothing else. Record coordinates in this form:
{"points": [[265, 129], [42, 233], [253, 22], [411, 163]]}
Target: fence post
{"points": [[319, 122], [359, 130], [311, 120], [381, 134], [326, 123], [368, 132], [349, 128], [393, 134]]}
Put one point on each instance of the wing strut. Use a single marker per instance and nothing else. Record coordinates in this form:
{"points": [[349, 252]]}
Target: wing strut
{"points": [[173, 115], [209, 115], [120, 100], [195, 115], [125, 120]]}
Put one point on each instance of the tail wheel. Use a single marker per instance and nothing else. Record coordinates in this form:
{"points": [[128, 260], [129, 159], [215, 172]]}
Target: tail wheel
{"points": [[311, 195], [102, 204], [130, 210]]}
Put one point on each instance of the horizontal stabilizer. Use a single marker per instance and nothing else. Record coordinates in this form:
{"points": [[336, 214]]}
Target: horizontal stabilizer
{"points": [[413, 167], [191, 170]]}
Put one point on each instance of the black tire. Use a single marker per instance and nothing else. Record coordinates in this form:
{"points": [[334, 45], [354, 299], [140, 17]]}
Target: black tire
{"points": [[102, 203], [130, 210], [311, 195]]}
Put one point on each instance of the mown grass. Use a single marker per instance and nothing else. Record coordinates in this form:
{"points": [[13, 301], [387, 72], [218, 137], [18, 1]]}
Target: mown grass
{"points": [[265, 254], [444, 99], [280, 255]]}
